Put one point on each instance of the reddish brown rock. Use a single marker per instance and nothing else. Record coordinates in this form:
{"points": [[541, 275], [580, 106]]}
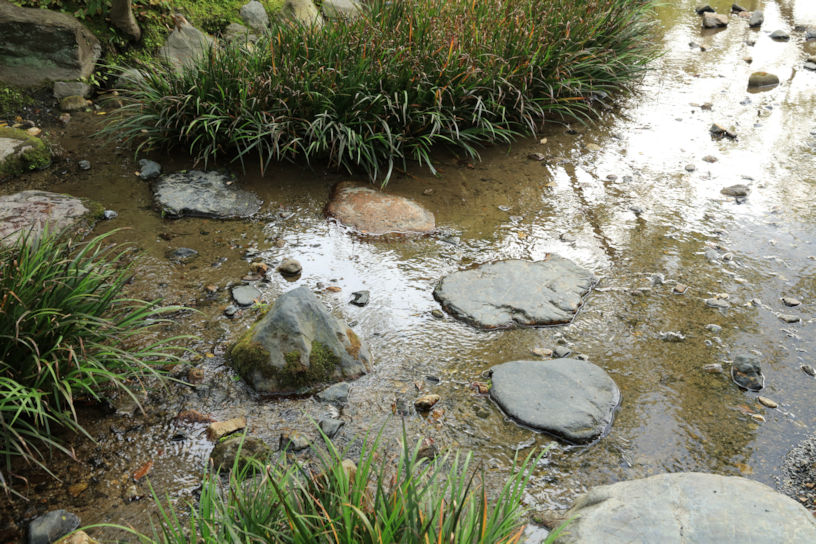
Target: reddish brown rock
{"points": [[376, 213]]}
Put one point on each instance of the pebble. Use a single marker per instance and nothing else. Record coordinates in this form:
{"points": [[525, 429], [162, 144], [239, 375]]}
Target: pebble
{"points": [[245, 295], [182, 254], [713, 368], [337, 393], [672, 336], [711, 327], [809, 370], [84, 165], [65, 118], [637, 210], [717, 303], [790, 318], [810, 66], [758, 417], [110, 214], [690, 168], [438, 314], [680, 288], [736, 8], [231, 310], [790, 301], [34, 131], [330, 426], [426, 402], [567, 237], [427, 192], [290, 267], [710, 158], [704, 9], [738, 190], [780, 35], [537, 157], [219, 429], [593, 147], [561, 351], [149, 169], [541, 352], [765, 401], [720, 131], [360, 298], [293, 441]]}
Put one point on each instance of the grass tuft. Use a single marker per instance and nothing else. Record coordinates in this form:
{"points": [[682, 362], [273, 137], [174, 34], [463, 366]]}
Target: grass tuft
{"points": [[67, 333], [375, 500], [378, 91]]}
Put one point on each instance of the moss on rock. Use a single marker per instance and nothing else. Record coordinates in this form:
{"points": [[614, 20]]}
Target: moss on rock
{"points": [[33, 155], [322, 363], [247, 354]]}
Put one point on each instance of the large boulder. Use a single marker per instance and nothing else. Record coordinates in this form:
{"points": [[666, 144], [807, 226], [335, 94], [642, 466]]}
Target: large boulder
{"points": [[29, 212], [39, 46], [203, 194], [569, 398], [254, 15], [688, 508], [21, 152], [303, 11], [376, 213], [513, 293], [340, 9], [297, 346], [185, 46]]}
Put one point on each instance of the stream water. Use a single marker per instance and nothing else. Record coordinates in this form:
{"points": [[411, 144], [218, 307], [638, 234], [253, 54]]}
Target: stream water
{"points": [[614, 196]]}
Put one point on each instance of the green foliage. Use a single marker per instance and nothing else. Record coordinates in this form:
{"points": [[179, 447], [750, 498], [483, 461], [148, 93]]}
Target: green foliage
{"points": [[66, 332], [12, 100], [374, 92], [376, 500]]}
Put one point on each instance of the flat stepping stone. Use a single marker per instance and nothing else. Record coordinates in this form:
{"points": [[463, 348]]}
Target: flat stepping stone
{"points": [[31, 211], [688, 507], [514, 293], [569, 398], [203, 194], [376, 213]]}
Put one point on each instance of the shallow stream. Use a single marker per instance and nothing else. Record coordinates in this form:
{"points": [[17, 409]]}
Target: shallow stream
{"points": [[615, 196]]}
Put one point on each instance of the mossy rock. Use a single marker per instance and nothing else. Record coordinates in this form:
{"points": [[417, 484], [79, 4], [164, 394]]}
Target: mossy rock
{"points": [[20, 152], [298, 346]]}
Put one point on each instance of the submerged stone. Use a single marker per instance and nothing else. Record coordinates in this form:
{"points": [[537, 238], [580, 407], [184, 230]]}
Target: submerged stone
{"points": [[757, 18], [203, 194], [245, 295], [225, 453], [513, 293], [714, 20], [50, 527], [297, 346], [738, 190], [569, 398], [687, 507], [376, 213]]}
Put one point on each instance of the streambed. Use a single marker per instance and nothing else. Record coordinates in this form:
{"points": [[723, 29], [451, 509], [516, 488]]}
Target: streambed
{"points": [[629, 198]]}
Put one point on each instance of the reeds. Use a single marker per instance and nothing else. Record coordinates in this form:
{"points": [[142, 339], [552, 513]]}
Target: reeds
{"points": [[376, 500], [67, 333], [378, 91]]}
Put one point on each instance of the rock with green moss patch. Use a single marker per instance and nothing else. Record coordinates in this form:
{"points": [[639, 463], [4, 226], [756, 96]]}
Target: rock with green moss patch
{"points": [[21, 152], [297, 346], [31, 211]]}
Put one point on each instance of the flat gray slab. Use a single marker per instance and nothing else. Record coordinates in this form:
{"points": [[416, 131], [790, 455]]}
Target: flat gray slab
{"points": [[203, 194], [31, 211], [569, 398], [514, 293], [688, 508]]}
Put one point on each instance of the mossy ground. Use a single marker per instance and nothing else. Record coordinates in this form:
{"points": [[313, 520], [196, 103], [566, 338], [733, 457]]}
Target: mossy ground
{"points": [[12, 100], [36, 157]]}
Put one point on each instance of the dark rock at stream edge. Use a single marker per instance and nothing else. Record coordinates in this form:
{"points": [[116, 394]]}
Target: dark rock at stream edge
{"points": [[297, 346], [203, 194], [687, 507], [569, 398], [747, 372], [52, 526], [759, 80], [513, 293]]}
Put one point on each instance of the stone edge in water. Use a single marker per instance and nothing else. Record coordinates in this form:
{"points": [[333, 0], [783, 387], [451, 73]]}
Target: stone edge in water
{"points": [[575, 441]]}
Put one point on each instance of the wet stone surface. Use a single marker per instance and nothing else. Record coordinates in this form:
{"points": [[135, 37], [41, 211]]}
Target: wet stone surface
{"points": [[203, 194], [516, 293], [376, 213], [31, 211], [572, 399]]}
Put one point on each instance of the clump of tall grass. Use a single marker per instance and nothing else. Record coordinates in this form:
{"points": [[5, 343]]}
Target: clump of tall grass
{"points": [[374, 92], [373, 501], [68, 333]]}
